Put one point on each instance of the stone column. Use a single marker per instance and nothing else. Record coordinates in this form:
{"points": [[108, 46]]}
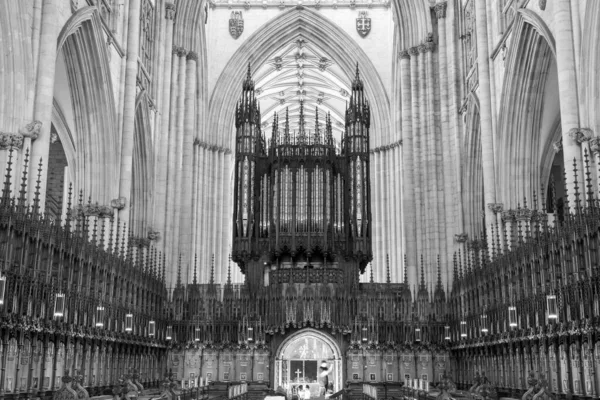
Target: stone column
{"points": [[172, 156], [44, 97], [408, 151], [567, 87], [178, 139], [163, 148], [485, 112], [131, 67], [427, 237], [448, 171], [416, 130], [185, 225]]}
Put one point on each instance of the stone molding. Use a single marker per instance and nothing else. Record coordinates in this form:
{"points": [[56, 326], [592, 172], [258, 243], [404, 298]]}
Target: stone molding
{"points": [[440, 10], [413, 51], [386, 147], [170, 11], [211, 147], [181, 52]]}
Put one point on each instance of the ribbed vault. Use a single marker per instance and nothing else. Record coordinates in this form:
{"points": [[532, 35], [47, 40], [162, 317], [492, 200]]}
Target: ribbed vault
{"points": [[326, 37]]}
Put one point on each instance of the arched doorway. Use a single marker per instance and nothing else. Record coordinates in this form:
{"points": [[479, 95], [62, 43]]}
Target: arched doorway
{"points": [[298, 359]]}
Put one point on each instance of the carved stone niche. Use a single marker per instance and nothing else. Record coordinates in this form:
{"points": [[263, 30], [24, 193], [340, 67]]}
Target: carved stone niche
{"points": [[581, 135], [118, 203]]}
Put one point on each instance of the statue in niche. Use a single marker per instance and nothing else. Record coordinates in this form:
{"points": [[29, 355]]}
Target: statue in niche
{"points": [[323, 378], [542, 389]]}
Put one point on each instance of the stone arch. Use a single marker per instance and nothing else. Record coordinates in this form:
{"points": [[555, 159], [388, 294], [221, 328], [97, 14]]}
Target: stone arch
{"points": [[590, 65], [413, 20], [526, 125], [319, 336], [290, 25], [472, 184], [95, 134], [143, 167]]}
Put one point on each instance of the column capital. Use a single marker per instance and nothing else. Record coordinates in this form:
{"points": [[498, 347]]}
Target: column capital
{"points": [[413, 51], [580, 135], [430, 46], [11, 141], [440, 10], [170, 11], [180, 51], [153, 234], [557, 145], [461, 237], [595, 145], [404, 54], [422, 48], [508, 215], [496, 207], [31, 130], [192, 56], [119, 203]]}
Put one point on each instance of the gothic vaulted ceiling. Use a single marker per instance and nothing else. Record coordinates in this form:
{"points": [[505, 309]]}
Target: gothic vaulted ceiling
{"points": [[300, 73]]}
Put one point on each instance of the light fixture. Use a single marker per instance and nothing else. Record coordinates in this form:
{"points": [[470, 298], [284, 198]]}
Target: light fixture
{"points": [[197, 334], [151, 328], [2, 289], [169, 332], [447, 332], [59, 305], [99, 317], [552, 307], [129, 322], [512, 316], [463, 329], [364, 334], [417, 334], [484, 328], [250, 334]]}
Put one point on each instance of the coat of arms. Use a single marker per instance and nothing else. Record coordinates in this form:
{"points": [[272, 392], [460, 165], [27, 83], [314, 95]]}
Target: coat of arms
{"points": [[236, 24], [363, 24]]}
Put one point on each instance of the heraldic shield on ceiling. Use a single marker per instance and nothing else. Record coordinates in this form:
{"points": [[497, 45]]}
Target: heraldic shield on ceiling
{"points": [[363, 24], [236, 24]]}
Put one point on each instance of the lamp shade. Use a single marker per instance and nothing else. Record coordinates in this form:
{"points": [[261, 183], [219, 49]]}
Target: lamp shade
{"points": [[59, 305], [99, 317], [169, 333], [2, 289], [483, 320], [151, 328], [512, 316], [463, 329], [552, 307], [129, 322], [446, 332]]}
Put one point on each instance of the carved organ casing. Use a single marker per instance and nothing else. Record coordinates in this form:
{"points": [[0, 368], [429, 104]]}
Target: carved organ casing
{"points": [[305, 195]]}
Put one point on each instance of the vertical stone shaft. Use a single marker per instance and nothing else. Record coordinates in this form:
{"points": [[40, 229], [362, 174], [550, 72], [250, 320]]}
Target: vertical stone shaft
{"points": [[416, 126], [180, 133], [44, 95], [408, 164], [163, 135], [567, 87], [425, 163], [172, 156], [131, 68], [448, 170], [485, 112], [185, 225]]}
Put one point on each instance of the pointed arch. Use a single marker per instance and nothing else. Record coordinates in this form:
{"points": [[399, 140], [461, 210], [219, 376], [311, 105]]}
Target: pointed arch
{"points": [[526, 127], [142, 191], [296, 23], [94, 134]]}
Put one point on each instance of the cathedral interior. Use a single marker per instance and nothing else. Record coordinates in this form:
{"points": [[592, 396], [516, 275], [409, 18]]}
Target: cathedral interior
{"points": [[296, 199]]}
